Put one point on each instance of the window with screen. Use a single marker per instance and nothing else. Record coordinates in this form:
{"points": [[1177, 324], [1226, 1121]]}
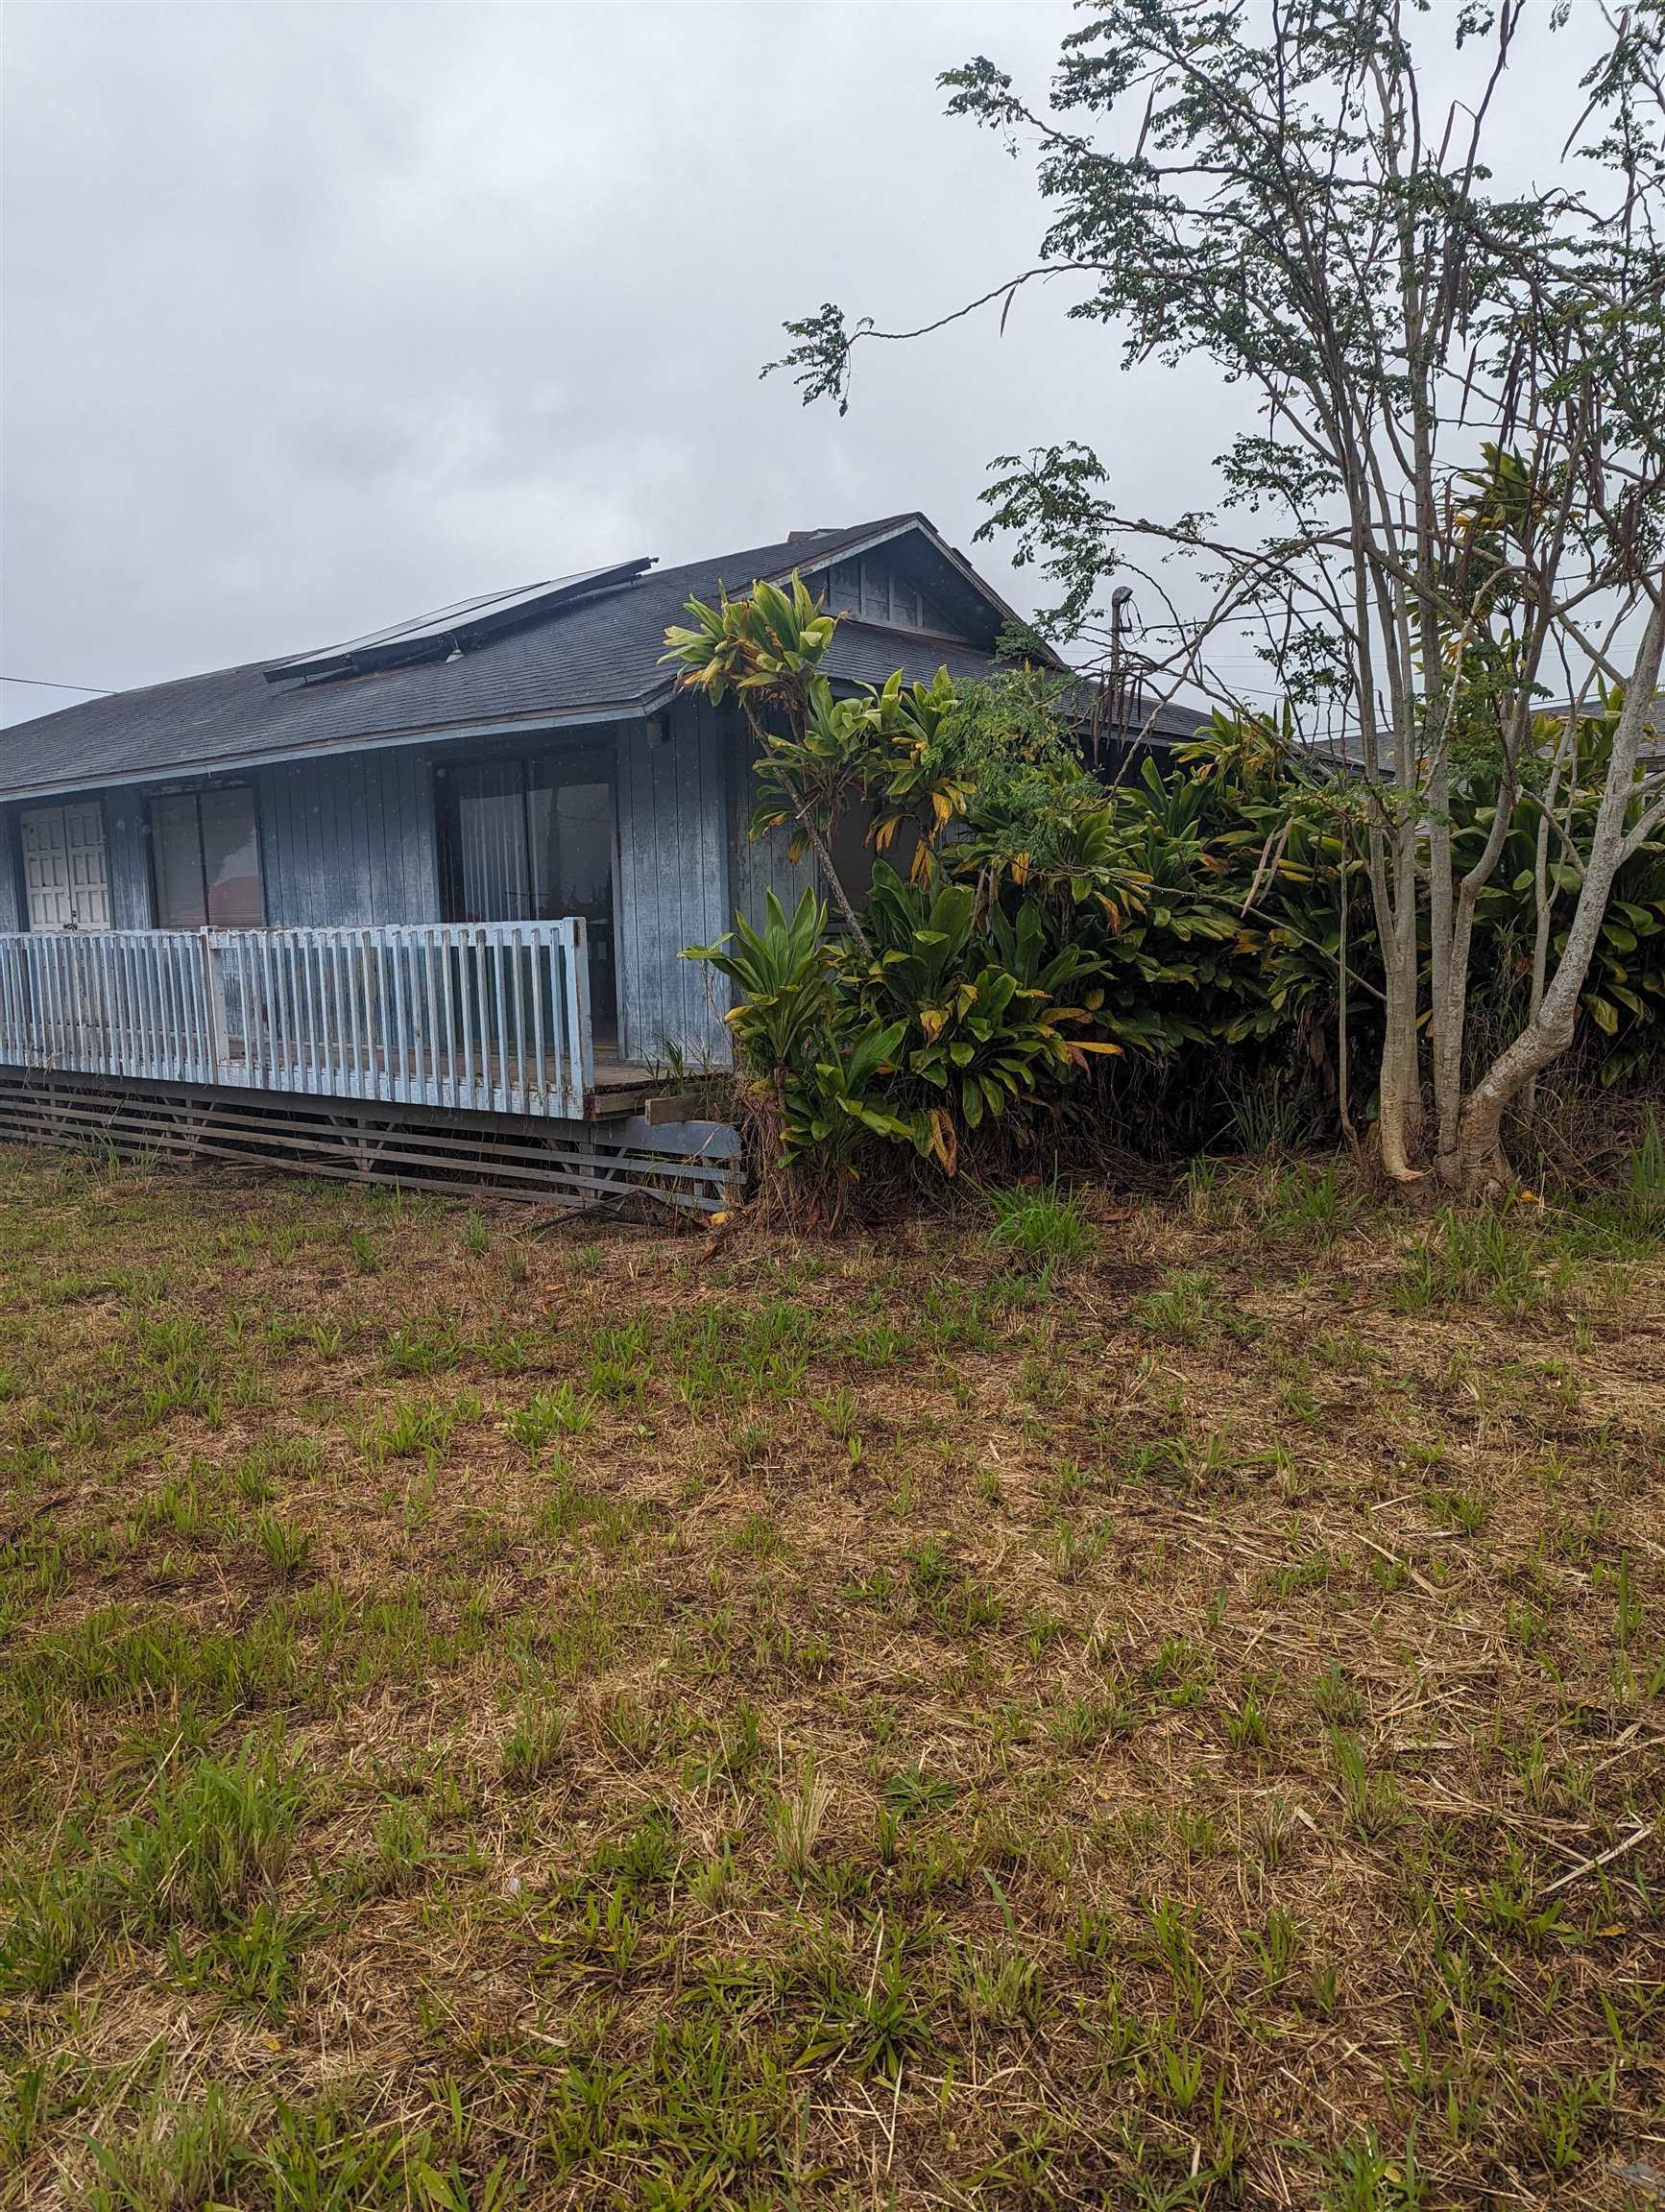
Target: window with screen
{"points": [[206, 861]]}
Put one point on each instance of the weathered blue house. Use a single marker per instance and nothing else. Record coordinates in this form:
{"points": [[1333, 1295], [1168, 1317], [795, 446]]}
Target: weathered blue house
{"points": [[427, 888]]}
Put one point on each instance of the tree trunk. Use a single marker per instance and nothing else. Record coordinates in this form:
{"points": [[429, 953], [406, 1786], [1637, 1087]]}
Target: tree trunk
{"points": [[1482, 1167], [1446, 996], [1400, 1112], [1399, 1122], [840, 897]]}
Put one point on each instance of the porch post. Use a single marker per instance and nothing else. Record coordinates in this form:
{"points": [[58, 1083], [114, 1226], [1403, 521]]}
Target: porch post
{"points": [[215, 993]]}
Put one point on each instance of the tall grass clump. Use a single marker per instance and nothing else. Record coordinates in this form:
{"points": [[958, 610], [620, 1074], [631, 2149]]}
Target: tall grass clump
{"points": [[1038, 1225]]}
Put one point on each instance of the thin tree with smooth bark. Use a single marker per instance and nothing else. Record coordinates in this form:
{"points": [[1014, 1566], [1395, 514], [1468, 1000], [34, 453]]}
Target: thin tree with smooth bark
{"points": [[1460, 468]]}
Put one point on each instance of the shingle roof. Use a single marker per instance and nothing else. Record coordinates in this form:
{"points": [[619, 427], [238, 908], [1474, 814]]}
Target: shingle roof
{"points": [[592, 661]]}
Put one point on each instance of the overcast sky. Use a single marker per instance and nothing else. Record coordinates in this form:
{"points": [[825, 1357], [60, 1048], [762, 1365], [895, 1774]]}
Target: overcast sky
{"points": [[318, 315]]}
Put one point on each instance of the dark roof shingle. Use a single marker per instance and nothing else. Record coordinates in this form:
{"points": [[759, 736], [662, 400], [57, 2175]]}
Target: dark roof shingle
{"points": [[600, 657], [590, 661]]}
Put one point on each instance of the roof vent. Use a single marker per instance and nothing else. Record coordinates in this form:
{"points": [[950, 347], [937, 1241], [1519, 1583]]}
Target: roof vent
{"points": [[805, 537]]}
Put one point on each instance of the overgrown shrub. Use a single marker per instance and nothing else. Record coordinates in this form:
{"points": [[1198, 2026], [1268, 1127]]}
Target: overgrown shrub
{"points": [[1190, 951]]}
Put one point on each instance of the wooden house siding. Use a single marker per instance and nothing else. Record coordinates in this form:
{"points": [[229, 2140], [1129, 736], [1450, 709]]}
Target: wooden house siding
{"points": [[466, 780], [875, 588], [759, 865], [348, 840], [673, 884], [343, 840], [127, 859], [14, 914]]}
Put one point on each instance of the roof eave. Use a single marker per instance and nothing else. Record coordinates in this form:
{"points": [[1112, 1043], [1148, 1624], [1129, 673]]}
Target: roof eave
{"points": [[332, 748]]}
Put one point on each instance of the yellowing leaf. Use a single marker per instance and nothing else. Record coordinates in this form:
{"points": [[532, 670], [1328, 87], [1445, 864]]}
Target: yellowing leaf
{"points": [[944, 1141]]}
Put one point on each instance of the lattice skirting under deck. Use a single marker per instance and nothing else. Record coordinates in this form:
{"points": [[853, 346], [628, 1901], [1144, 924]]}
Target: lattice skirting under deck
{"points": [[692, 1166]]}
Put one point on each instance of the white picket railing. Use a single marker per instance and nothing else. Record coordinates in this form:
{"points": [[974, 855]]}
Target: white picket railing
{"points": [[491, 1017]]}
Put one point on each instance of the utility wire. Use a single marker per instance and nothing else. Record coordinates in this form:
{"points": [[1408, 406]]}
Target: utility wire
{"points": [[45, 683]]}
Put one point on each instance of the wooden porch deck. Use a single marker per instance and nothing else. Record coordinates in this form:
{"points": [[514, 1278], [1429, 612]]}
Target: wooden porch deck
{"points": [[615, 1086]]}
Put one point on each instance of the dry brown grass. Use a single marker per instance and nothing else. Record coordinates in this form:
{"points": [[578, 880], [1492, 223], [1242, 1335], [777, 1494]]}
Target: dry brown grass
{"points": [[492, 1716]]}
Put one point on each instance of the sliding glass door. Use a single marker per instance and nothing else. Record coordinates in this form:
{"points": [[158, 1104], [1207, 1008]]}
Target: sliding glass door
{"points": [[206, 861], [532, 839]]}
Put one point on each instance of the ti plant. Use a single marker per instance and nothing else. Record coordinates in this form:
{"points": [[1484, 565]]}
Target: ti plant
{"points": [[986, 1020], [1212, 915], [767, 649], [819, 751], [816, 1064]]}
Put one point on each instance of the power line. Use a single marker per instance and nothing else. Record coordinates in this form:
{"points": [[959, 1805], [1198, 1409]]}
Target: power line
{"points": [[1200, 625], [45, 683]]}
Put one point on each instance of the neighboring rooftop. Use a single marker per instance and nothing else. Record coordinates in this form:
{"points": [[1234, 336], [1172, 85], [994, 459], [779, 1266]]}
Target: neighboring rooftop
{"points": [[580, 649], [1349, 751]]}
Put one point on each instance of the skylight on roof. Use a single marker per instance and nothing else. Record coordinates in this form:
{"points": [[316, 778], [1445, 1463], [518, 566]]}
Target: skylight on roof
{"points": [[434, 637]]}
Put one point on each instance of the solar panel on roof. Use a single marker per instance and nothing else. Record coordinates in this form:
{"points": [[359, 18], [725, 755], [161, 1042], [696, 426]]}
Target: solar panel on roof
{"points": [[468, 620]]}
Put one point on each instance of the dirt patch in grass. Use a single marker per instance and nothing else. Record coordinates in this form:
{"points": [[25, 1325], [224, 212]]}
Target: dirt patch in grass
{"points": [[1165, 1711]]}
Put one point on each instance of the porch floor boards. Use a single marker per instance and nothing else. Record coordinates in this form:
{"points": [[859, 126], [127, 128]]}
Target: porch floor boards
{"points": [[617, 1086], [621, 1086]]}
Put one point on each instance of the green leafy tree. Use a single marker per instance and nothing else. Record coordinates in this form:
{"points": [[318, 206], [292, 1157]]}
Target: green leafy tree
{"points": [[1453, 504]]}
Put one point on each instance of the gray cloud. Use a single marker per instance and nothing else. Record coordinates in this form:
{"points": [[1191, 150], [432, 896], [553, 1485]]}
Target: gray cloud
{"points": [[317, 316]]}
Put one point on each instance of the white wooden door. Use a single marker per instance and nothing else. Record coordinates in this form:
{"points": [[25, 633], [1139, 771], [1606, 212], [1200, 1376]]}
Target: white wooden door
{"points": [[64, 868]]}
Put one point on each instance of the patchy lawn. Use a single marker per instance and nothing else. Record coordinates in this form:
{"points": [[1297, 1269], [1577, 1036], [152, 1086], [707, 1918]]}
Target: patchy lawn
{"points": [[1161, 1709]]}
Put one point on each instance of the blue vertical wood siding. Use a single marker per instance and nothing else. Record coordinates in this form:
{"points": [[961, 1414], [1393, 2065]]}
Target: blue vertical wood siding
{"points": [[13, 915], [757, 866], [875, 589], [673, 884], [348, 839], [343, 840], [127, 858]]}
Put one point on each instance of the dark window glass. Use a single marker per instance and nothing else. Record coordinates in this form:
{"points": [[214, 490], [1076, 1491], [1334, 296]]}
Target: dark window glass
{"points": [[206, 854], [232, 859], [572, 830], [177, 849], [570, 825], [853, 857]]}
